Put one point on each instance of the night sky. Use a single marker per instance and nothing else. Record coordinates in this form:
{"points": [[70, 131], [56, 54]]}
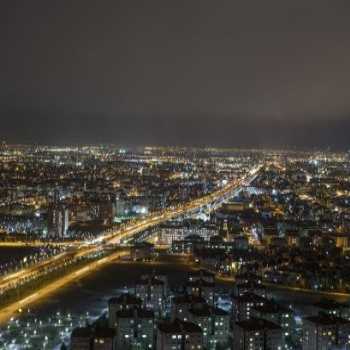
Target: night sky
{"points": [[194, 72]]}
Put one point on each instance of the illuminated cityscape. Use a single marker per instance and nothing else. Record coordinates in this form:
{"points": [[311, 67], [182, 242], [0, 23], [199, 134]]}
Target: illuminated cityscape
{"points": [[174, 175], [220, 248]]}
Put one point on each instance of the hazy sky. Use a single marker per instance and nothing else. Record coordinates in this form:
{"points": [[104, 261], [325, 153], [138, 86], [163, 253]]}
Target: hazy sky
{"points": [[228, 73]]}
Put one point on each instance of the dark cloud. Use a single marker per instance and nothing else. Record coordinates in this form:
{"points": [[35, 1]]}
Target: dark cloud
{"points": [[272, 73]]}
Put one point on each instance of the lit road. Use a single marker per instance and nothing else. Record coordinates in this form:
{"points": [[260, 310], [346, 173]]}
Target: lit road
{"points": [[218, 196], [305, 290], [110, 238], [37, 243], [10, 310], [12, 279]]}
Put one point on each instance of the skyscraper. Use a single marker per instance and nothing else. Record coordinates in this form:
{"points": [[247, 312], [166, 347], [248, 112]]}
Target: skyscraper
{"points": [[58, 218]]}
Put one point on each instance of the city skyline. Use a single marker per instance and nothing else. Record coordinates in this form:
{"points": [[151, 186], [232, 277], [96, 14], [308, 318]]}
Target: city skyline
{"points": [[111, 248], [175, 175]]}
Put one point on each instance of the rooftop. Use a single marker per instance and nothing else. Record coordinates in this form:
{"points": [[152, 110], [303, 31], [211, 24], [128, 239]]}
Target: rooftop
{"points": [[178, 326], [256, 324], [125, 299]]}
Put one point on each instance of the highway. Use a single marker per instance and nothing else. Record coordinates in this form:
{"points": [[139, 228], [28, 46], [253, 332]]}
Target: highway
{"points": [[37, 243], [12, 309], [109, 238], [13, 279], [224, 193]]}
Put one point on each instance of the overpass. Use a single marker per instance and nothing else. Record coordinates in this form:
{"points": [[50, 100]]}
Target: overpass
{"points": [[214, 199], [114, 237]]}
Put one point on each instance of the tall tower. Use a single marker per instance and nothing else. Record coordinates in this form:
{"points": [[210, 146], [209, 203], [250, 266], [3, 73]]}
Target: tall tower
{"points": [[58, 221], [58, 218]]}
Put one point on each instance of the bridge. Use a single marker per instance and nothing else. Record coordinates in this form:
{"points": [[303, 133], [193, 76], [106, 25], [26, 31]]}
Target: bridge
{"points": [[113, 237], [214, 200]]}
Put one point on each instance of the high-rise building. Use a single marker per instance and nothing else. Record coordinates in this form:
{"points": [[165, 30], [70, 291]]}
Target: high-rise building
{"points": [[280, 315], [179, 335], [332, 308], [106, 211], [133, 324], [93, 338], [203, 288], [325, 332], [215, 324], [181, 305], [152, 290], [125, 301], [134, 329], [242, 306], [58, 221], [58, 218], [257, 334]]}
